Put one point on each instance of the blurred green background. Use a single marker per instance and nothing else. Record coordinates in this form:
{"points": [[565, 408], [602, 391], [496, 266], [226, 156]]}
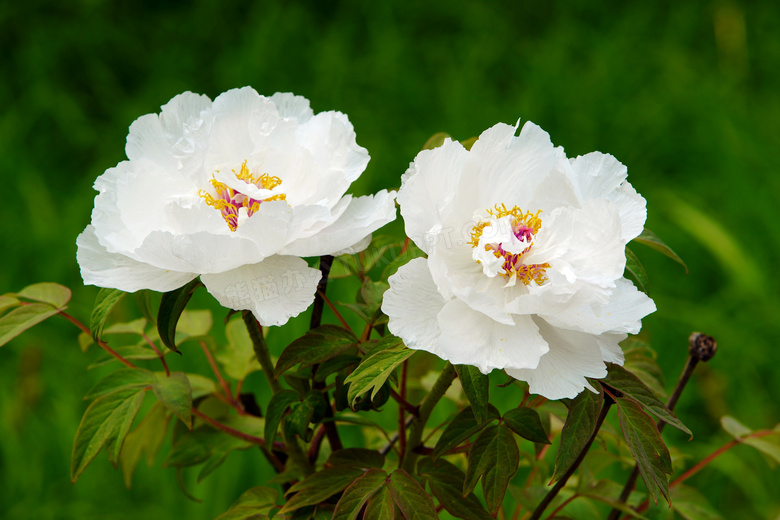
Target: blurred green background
{"points": [[686, 94]]}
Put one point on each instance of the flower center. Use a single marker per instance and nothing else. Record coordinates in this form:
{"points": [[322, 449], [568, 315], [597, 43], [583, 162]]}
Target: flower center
{"points": [[499, 243], [229, 200]]}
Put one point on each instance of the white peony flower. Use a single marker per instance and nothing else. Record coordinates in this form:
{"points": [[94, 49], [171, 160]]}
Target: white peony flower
{"points": [[526, 252], [234, 191]]}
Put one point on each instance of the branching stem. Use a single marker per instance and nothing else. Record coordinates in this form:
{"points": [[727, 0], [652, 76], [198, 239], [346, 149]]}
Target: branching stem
{"points": [[101, 343]]}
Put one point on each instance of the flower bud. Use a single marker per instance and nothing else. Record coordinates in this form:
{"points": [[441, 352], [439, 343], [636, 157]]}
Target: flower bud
{"points": [[702, 346]]}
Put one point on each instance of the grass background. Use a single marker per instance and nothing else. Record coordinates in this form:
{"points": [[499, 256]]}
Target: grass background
{"points": [[685, 94]]}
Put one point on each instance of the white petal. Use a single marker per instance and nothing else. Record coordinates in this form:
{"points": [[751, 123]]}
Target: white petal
{"points": [[561, 373], [510, 167], [428, 191], [104, 269], [292, 106], [275, 289], [469, 337], [412, 304], [600, 175], [622, 313], [363, 216]]}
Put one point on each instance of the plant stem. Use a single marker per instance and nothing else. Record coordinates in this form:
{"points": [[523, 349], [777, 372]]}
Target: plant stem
{"points": [[101, 343], [160, 355], [326, 261], [225, 387], [608, 402], [261, 349], [444, 381], [701, 348], [296, 454]]}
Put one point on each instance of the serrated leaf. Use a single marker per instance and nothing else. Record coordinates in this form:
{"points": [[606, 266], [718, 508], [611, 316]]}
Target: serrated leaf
{"points": [[410, 497], [637, 271], [380, 506], [253, 503], [631, 386], [172, 304], [146, 440], [237, 358], [647, 447], [494, 458], [175, 394], [463, 426], [320, 486], [54, 294], [357, 494], [652, 241], [105, 301], [105, 422], [22, 318], [316, 346], [577, 430], [122, 379], [435, 140], [526, 423], [476, 386], [446, 483], [276, 408], [357, 457], [692, 505], [376, 367]]}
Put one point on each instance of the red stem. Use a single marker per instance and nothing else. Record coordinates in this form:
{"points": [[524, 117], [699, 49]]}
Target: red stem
{"points": [[698, 467], [564, 504], [402, 413], [333, 308], [101, 343], [159, 354], [233, 402]]}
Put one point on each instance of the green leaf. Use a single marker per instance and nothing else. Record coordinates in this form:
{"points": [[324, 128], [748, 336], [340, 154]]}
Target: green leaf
{"points": [[276, 408], [380, 506], [526, 423], [237, 358], [174, 393], [172, 304], [577, 430], [201, 386], [106, 422], [22, 318], [193, 323], [463, 426], [122, 379], [495, 458], [310, 410], [144, 300], [652, 241], [358, 493], [769, 444], [435, 140], [136, 327], [320, 486], [446, 483], [631, 386], [146, 440], [253, 503], [129, 352], [357, 457], [647, 447], [641, 361], [8, 302], [54, 294], [691, 505], [105, 301], [316, 346], [476, 387], [333, 365], [636, 270], [410, 497], [376, 367]]}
